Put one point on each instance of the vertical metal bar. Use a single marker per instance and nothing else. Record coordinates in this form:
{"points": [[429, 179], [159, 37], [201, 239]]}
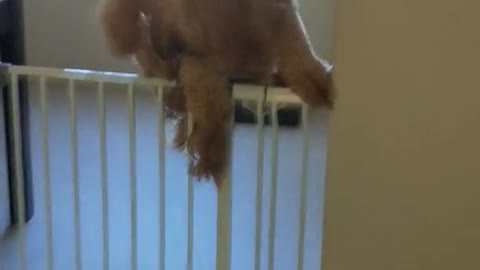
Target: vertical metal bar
{"points": [[190, 214], [13, 51], [273, 187], [23, 111], [161, 184], [46, 172], [303, 190], [76, 191], [133, 182], [259, 197], [18, 173], [103, 174], [224, 210]]}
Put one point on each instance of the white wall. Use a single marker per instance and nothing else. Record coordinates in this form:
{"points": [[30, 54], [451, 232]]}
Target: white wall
{"points": [[63, 33], [403, 177]]}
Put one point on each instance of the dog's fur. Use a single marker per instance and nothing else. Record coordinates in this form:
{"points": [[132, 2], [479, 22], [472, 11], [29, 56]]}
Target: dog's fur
{"points": [[203, 44]]}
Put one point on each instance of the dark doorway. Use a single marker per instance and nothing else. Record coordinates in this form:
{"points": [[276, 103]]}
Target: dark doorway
{"points": [[12, 50]]}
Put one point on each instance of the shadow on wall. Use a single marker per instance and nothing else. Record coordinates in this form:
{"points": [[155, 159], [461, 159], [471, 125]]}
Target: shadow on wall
{"points": [[64, 33]]}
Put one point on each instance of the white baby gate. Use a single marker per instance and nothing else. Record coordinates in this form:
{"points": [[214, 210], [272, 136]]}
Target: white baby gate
{"points": [[262, 96]]}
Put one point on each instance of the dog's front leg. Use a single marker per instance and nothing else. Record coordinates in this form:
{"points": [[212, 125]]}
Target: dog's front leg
{"points": [[164, 35], [147, 58]]}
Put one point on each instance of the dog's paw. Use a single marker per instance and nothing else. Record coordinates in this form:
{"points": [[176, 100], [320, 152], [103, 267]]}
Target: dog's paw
{"points": [[208, 150], [175, 100], [181, 132], [313, 84]]}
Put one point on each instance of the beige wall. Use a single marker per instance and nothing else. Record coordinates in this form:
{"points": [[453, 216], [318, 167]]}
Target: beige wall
{"points": [[63, 33], [403, 172]]}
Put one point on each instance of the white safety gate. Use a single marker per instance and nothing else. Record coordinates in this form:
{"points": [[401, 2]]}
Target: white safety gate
{"points": [[264, 214]]}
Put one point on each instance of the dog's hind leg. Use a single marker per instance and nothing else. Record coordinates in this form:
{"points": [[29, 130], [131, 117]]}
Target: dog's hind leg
{"points": [[307, 75], [209, 104]]}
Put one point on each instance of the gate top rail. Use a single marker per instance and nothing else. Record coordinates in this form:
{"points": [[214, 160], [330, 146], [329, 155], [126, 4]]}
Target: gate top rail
{"points": [[240, 91]]}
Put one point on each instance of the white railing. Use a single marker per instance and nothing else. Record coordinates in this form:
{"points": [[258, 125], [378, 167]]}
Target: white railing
{"points": [[259, 94]]}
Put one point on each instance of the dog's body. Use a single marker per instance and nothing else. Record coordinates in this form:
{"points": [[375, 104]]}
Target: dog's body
{"points": [[205, 43]]}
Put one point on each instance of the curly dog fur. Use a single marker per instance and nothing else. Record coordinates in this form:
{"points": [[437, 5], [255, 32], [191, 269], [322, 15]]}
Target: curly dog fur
{"points": [[203, 44]]}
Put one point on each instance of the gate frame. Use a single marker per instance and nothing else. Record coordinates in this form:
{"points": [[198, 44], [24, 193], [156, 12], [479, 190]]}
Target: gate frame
{"points": [[246, 92]]}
